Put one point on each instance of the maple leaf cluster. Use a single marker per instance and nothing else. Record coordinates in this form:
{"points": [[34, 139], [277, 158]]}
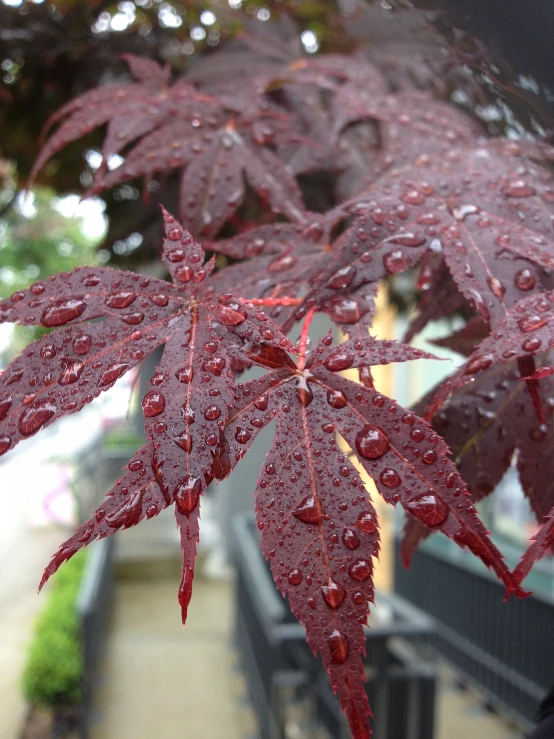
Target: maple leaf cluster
{"points": [[415, 185]]}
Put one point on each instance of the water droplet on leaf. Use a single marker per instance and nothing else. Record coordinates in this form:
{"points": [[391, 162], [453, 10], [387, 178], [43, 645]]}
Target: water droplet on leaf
{"points": [[390, 478], [350, 540], [333, 594], [371, 442], [429, 509], [309, 510], [62, 312], [36, 416], [338, 647], [153, 404], [524, 279], [336, 399], [366, 522], [112, 373], [121, 300], [232, 314], [187, 494], [360, 570], [338, 362], [71, 371]]}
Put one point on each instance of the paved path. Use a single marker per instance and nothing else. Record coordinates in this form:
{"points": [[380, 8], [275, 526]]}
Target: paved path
{"points": [[167, 681], [24, 552]]}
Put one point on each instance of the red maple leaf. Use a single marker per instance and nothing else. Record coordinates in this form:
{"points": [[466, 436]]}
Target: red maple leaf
{"points": [[490, 425], [318, 526], [190, 393]]}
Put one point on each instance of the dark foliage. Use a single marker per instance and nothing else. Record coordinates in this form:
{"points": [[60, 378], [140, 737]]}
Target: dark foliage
{"points": [[413, 184]]}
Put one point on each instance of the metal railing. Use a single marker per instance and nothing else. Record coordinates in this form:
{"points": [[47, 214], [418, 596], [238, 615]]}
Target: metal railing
{"points": [[281, 671], [507, 649], [93, 607]]}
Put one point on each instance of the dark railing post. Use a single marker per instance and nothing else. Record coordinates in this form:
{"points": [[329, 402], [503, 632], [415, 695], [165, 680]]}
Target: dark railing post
{"points": [[93, 606], [277, 661]]}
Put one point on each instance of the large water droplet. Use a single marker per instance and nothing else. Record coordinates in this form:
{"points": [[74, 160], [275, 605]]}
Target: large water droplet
{"points": [[417, 434], [336, 399], [344, 310], [497, 288], [524, 279], [360, 570], [532, 323], [304, 392], [479, 364], [338, 362], [366, 522], [82, 344], [14, 377], [153, 404], [5, 405], [371, 442], [342, 278], [36, 416], [295, 576], [71, 371], [184, 441], [211, 413], [121, 300], [413, 197], [5, 443], [232, 314], [350, 540], [184, 274], [532, 344], [189, 416], [175, 256], [185, 375], [519, 189], [282, 263], [429, 457], [309, 510], [62, 311], [187, 494], [408, 239], [132, 319], [333, 594], [242, 435], [111, 374], [48, 351], [261, 402], [338, 647], [396, 262], [429, 509], [390, 478], [151, 511]]}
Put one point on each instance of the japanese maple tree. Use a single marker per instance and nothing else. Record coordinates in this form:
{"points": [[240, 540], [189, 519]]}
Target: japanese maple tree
{"points": [[414, 183]]}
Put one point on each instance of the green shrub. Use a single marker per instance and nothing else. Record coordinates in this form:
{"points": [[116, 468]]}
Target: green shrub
{"points": [[53, 671]]}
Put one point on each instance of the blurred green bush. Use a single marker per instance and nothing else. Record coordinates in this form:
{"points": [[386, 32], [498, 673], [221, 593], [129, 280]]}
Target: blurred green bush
{"points": [[53, 672]]}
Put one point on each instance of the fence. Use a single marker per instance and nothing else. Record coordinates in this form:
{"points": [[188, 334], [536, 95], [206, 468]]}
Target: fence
{"points": [[505, 648], [281, 671]]}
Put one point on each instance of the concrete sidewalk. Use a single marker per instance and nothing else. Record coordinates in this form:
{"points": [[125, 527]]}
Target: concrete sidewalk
{"points": [[165, 681]]}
